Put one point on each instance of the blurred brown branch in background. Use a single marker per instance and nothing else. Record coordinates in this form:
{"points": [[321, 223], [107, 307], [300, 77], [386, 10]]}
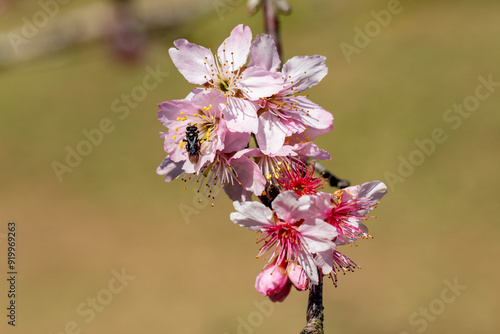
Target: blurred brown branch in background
{"points": [[51, 29], [271, 9]]}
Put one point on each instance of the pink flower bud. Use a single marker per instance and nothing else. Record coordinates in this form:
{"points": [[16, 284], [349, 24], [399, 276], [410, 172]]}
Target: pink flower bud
{"points": [[273, 282], [297, 276]]}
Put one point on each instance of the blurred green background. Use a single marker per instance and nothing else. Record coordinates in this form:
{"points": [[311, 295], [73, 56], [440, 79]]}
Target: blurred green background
{"points": [[188, 268]]}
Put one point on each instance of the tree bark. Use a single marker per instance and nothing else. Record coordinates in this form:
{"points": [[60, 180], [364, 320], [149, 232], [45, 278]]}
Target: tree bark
{"points": [[315, 310]]}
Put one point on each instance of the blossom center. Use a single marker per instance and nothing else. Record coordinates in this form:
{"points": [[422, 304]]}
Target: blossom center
{"points": [[224, 84], [299, 178], [285, 238], [342, 216]]}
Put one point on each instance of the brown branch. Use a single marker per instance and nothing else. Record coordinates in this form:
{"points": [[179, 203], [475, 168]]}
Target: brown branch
{"points": [[271, 23], [315, 310]]}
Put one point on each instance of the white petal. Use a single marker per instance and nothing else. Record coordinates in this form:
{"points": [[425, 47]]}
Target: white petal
{"points": [[305, 260], [372, 190], [324, 260], [252, 215], [304, 71]]}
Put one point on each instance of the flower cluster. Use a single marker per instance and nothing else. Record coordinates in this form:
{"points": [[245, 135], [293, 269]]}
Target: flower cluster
{"points": [[243, 92], [302, 228], [247, 128]]}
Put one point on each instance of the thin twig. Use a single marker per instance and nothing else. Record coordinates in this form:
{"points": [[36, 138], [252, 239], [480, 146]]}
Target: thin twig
{"points": [[271, 23], [332, 179], [315, 310]]}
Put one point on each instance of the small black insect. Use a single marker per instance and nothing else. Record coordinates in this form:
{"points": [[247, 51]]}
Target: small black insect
{"points": [[193, 143], [269, 195]]}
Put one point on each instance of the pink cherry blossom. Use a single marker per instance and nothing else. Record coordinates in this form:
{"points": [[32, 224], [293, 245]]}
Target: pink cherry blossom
{"points": [[285, 113], [275, 281], [225, 71], [291, 232], [346, 208]]}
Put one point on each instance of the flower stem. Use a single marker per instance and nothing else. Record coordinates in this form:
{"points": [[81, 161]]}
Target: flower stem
{"points": [[332, 179], [315, 310], [271, 23]]}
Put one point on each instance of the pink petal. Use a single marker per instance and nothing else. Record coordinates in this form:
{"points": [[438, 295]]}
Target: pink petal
{"points": [[306, 261], [207, 98], [304, 71], [271, 280], [323, 204], [256, 83], [235, 141], [264, 53], [297, 276], [236, 192], [316, 116], [288, 206], [308, 135], [170, 169], [324, 260], [285, 150], [241, 115], [236, 47], [171, 146], [374, 189], [318, 234], [193, 61], [170, 111], [191, 168], [311, 150], [248, 152], [282, 294], [270, 135], [249, 174]]}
